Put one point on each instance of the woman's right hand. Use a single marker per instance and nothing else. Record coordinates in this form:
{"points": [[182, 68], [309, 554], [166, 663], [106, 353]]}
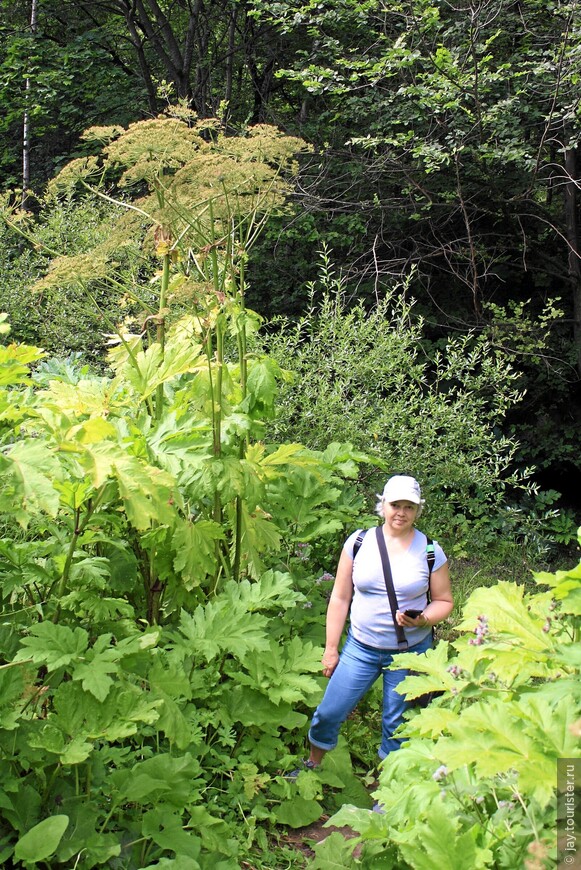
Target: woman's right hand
{"points": [[329, 661]]}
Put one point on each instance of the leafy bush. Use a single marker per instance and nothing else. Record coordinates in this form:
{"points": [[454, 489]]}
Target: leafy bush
{"points": [[475, 786], [62, 317], [361, 374], [162, 547]]}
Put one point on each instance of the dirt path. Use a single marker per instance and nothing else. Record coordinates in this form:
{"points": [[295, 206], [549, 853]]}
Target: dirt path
{"points": [[304, 839]]}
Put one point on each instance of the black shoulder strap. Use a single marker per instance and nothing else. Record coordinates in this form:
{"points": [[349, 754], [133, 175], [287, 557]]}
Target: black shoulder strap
{"points": [[400, 634], [431, 558], [430, 555], [358, 541]]}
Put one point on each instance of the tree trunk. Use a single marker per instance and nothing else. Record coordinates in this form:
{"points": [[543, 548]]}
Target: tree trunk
{"points": [[572, 226], [148, 16], [143, 65], [26, 121], [230, 64]]}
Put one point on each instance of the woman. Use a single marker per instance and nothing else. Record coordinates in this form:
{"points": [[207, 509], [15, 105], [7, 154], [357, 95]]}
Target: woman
{"points": [[371, 643]]}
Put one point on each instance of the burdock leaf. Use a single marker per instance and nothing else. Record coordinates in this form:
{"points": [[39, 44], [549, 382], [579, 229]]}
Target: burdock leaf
{"points": [[40, 842]]}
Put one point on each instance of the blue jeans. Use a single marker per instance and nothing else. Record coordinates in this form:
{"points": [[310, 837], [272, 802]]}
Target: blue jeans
{"points": [[359, 667]]}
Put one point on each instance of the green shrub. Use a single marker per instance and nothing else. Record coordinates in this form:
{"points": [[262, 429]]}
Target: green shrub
{"points": [[67, 316], [361, 374]]}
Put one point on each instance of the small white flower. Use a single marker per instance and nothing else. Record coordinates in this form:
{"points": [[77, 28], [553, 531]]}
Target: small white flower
{"points": [[440, 773]]}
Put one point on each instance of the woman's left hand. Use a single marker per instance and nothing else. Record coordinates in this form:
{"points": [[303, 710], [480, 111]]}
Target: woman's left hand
{"points": [[409, 621]]}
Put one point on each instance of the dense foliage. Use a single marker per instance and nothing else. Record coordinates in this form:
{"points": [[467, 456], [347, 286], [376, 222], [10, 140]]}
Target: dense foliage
{"points": [[176, 479], [158, 663], [364, 376], [445, 151], [476, 783], [151, 662], [84, 263]]}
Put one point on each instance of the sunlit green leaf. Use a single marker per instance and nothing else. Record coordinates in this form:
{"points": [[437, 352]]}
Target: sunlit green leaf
{"points": [[195, 548], [27, 471], [55, 646], [218, 629], [40, 842]]}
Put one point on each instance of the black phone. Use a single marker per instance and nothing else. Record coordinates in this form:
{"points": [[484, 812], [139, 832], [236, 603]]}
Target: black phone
{"points": [[412, 613]]}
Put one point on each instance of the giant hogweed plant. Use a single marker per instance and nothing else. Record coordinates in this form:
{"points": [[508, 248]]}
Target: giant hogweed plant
{"points": [[152, 669], [475, 785], [149, 694], [93, 243]]}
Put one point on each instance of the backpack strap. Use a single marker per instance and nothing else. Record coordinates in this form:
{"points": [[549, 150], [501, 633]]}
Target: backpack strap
{"points": [[358, 541], [430, 552], [430, 558], [430, 555]]}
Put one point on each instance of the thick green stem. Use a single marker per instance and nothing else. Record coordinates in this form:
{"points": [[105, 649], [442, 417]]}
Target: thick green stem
{"points": [[155, 587], [78, 530], [217, 411], [238, 540], [71, 552], [161, 328], [241, 340], [219, 362]]}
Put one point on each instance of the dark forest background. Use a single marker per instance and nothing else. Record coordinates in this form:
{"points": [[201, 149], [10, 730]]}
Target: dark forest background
{"points": [[443, 155]]}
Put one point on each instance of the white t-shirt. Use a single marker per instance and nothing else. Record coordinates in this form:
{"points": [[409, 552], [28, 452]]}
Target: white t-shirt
{"points": [[371, 619]]}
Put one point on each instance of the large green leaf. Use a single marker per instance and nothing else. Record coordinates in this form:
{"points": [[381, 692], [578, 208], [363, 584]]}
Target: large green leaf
{"points": [[195, 548], [162, 779], [432, 669], [335, 852], [127, 708], [28, 471], [169, 678], [15, 362], [165, 828], [76, 751], [150, 368], [508, 613], [280, 673], [360, 820], [258, 535], [55, 646], [262, 386], [525, 735], [566, 587], [282, 456], [149, 494], [216, 833], [42, 841], [274, 589], [173, 722], [437, 843], [252, 707], [22, 807], [298, 812], [81, 409], [95, 674], [218, 628], [81, 837]]}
